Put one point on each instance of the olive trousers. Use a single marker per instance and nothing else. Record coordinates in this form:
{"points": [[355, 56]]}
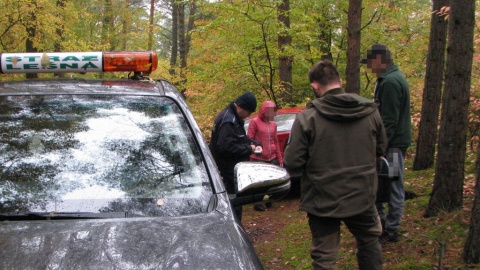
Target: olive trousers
{"points": [[366, 228]]}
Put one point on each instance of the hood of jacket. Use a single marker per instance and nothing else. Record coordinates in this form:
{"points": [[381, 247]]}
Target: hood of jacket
{"points": [[344, 107], [265, 104]]}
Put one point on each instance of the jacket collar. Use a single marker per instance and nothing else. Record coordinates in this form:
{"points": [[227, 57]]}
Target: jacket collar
{"points": [[334, 91], [391, 69]]}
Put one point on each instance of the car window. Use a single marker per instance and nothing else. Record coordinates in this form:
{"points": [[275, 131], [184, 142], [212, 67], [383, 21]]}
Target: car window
{"points": [[102, 153], [285, 121]]}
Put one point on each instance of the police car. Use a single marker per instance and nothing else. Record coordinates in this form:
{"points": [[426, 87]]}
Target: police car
{"points": [[114, 174]]}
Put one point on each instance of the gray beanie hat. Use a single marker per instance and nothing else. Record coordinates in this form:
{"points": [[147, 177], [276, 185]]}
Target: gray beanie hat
{"points": [[247, 101]]}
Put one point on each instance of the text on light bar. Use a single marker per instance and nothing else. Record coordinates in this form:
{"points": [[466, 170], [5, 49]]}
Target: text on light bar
{"points": [[78, 62]]}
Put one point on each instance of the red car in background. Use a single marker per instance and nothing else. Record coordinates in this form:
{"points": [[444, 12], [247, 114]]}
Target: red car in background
{"points": [[284, 119]]}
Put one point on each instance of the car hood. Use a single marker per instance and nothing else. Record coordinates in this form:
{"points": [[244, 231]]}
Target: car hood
{"points": [[204, 241]]}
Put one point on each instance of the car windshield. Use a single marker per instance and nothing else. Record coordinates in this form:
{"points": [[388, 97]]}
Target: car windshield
{"points": [[285, 121], [99, 154]]}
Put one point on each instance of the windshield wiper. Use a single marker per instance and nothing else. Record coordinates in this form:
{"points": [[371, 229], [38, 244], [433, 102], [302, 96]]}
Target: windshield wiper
{"points": [[63, 215]]}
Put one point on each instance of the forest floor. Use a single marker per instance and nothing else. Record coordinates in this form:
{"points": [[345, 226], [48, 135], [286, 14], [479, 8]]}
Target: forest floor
{"points": [[281, 235]]}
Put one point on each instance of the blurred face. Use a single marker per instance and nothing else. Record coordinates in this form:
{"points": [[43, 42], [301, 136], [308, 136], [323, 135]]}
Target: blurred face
{"points": [[377, 65], [270, 113], [242, 113]]}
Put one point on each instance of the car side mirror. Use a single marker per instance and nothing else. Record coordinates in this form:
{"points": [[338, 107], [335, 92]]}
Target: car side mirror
{"points": [[257, 181]]}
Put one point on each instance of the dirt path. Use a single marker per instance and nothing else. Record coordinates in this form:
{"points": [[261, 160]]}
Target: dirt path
{"points": [[262, 227]]}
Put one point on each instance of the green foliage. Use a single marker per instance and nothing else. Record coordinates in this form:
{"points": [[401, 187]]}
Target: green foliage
{"points": [[235, 49], [79, 22]]}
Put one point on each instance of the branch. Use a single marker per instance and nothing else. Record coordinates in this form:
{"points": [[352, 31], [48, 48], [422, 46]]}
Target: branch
{"points": [[370, 21], [255, 73]]}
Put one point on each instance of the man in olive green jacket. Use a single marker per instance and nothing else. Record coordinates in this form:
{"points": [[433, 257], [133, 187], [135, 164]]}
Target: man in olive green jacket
{"points": [[335, 142]]}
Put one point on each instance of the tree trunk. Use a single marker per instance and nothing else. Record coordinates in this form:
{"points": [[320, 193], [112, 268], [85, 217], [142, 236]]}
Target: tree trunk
{"points": [[107, 24], [151, 28], [447, 194], [31, 32], [471, 250], [285, 59], [57, 45], [432, 91], [174, 50], [190, 25], [181, 35], [353, 44], [125, 24], [182, 48]]}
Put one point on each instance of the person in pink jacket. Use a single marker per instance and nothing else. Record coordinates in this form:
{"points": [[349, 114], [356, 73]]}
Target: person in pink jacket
{"points": [[263, 129]]}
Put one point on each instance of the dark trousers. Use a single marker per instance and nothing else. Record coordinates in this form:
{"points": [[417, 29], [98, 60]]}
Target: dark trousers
{"points": [[366, 229]]}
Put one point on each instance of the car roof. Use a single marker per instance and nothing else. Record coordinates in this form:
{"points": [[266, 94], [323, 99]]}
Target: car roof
{"points": [[279, 111], [290, 110], [59, 86]]}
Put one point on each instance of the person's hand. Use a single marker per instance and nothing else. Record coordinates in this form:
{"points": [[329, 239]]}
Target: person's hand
{"points": [[253, 147]]}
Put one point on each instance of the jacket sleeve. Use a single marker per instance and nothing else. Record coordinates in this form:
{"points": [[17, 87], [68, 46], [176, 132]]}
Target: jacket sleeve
{"points": [[252, 129], [382, 141], [296, 152], [231, 143], [390, 103]]}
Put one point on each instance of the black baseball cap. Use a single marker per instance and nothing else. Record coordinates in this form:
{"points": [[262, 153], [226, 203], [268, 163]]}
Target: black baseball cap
{"points": [[374, 50]]}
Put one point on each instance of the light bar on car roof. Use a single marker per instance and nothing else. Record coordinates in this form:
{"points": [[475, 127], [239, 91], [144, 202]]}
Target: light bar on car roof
{"points": [[78, 62]]}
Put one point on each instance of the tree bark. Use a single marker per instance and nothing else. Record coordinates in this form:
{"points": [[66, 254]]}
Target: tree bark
{"points": [[447, 194], [353, 46], [471, 250], [432, 91], [182, 48], [107, 26], [151, 26], [181, 35], [58, 43], [29, 44], [125, 24], [285, 59], [190, 25], [174, 49]]}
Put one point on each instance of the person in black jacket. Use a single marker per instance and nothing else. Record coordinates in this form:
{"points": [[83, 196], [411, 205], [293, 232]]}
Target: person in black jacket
{"points": [[229, 143]]}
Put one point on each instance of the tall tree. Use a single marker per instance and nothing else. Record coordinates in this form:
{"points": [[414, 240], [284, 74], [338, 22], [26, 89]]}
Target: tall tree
{"points": [[285, 59], [432, 91], [353, 46], [31, 27], [108, 25], [447, 194], [125, 25], [174, 49], [151, 25], [190, 25], [182, 49], [60, 29], [471, 250]]}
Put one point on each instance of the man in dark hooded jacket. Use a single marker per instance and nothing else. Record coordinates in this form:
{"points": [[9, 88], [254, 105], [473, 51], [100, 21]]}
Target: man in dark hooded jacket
{"points": [[230, 144], [335, 143]]}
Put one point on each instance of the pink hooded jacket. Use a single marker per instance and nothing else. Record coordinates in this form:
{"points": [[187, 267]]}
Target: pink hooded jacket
{"points": [[265, 132]]}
